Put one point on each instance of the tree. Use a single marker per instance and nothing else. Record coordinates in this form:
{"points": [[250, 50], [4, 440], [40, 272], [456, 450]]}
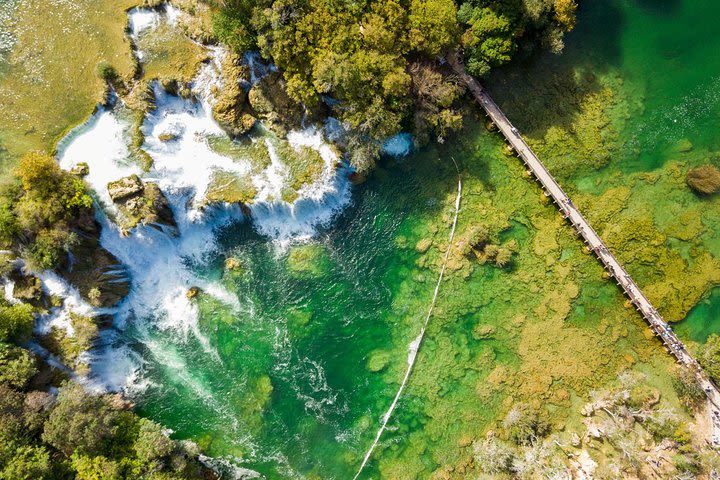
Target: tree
{"points": [[433, 25], [28, 463], [152, 444], [80, 423], [17, 366], [95, 468]]}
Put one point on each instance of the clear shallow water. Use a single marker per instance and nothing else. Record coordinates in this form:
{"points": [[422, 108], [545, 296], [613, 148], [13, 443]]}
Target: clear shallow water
{"points": [[270, 367]]}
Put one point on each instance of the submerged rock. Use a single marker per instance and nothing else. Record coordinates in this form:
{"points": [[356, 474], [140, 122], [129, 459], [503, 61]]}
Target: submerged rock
{"points": [[423, 245], [308, 261], [378, 360], [140, 202], [704, 180]]}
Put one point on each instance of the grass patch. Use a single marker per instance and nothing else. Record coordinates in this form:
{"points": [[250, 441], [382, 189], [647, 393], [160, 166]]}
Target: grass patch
{"points": [[254, 152], [170, 54], [49, 85]]}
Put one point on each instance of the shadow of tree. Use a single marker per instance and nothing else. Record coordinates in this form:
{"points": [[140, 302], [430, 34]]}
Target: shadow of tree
{"points": [[544, 90]]}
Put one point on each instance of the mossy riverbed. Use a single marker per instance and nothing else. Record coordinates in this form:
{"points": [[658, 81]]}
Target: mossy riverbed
{"points": [[293, 378]]}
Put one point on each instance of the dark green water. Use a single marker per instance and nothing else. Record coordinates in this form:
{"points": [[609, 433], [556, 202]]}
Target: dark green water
{"points": [[284, 383]]}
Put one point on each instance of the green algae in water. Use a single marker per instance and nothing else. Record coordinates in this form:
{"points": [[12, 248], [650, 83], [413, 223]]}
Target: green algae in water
{"points": [[703, 319], [286, 382]]}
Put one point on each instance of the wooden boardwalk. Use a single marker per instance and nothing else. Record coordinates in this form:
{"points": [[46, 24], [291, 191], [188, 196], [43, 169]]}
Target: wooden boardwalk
{"points": [[594, 243]]}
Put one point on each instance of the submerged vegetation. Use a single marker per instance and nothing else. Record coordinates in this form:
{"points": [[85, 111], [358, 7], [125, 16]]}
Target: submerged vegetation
{"points": [[530, 368]]}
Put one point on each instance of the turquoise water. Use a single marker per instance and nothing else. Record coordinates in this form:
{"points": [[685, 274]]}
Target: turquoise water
{"points": [[293, 382], [703, 319]]}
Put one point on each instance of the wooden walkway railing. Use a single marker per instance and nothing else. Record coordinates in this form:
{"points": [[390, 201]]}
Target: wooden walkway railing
{"points": [[594, 243]]}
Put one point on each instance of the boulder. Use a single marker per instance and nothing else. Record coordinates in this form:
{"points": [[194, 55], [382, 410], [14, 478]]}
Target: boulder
{"points": [[125, 188], [80, 170], [140, 202], [192, 292], [27, 288]]}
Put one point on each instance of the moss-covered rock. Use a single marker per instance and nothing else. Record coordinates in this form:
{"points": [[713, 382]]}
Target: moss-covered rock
{"points": [[704, 180], [230, 188], [167, 137], [229, 108], [68, 347], [125, 188], [27, 288], [97, 273], [81, 169], [140, 202]]}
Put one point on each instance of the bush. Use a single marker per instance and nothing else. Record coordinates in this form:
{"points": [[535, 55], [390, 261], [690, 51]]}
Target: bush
{"points": [[80, 423], [17, 366], [16, 322], [106, 71]]}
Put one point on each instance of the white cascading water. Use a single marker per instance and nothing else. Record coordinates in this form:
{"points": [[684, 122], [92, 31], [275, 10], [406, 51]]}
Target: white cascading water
{"points": [[160, 265], [182, 168]]}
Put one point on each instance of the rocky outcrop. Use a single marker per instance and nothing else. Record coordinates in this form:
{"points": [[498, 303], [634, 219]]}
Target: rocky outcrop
{"points": [[27, 288], [97, 274], [230, 109], [140, 202]]}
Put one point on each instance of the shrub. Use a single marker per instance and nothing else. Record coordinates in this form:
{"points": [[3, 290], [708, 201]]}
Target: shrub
{"points": [[106, 71], [80, 423], [16, 322], [17, 366]]}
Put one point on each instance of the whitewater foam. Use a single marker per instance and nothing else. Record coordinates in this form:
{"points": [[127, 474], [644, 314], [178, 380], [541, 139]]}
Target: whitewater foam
{"points": [[157, 320]]}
